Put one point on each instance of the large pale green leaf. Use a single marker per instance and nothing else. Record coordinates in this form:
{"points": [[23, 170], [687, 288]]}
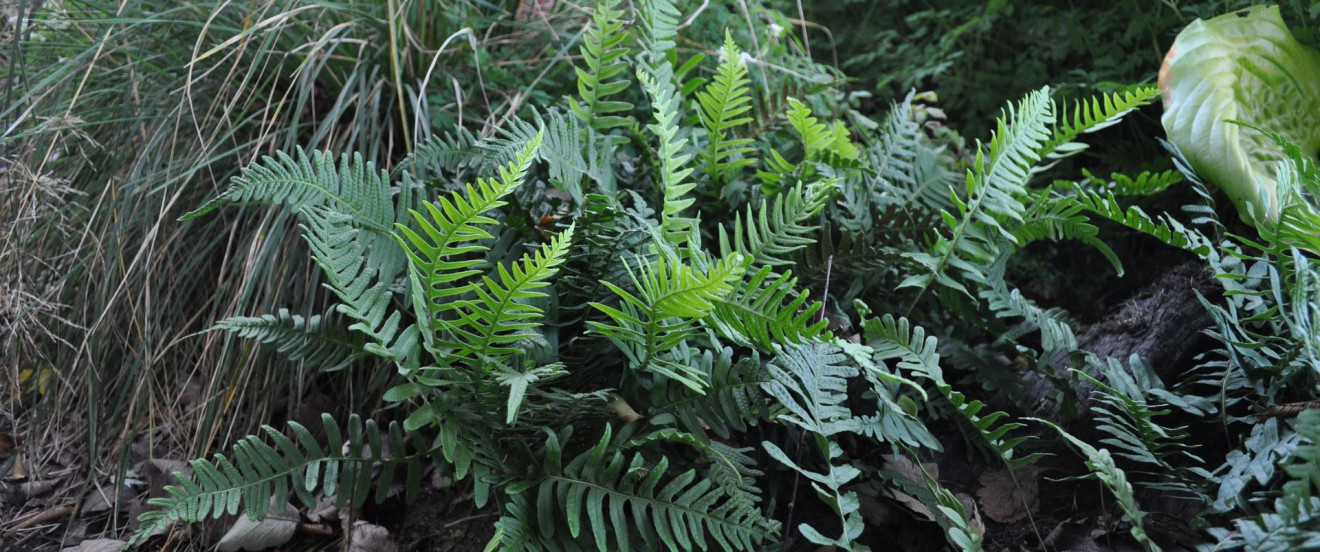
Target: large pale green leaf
{"points": [[1243, 66]]}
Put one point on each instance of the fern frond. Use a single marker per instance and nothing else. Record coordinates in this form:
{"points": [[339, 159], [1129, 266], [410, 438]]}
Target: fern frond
{"points": [[1090, 116], [1165, 228], [261, 473], [991, 434], [501, 314], [725, 103], [996, 186], [441, 254], [1063, 220], [352, 187], [671, 297], [630, 502], [320, 341], [1146, 183], [899, 340], [766, 309], [731, 403], [775, 232], [676, 191], [1102, 465], [819, 139], [602, 53]]}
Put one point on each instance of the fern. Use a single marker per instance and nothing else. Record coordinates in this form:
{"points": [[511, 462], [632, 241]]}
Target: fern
{"points": [[809, 382], [671, 297], [995, 189], [602, 53], [502, 314], [768, 237], [1102, 465], [260, 474], [318, 340], [441, 254], [724, 105], [766, 309], [626, 502], [677, 229], [732, 402], [818, 139], [1090, 116], [1165, 229]]}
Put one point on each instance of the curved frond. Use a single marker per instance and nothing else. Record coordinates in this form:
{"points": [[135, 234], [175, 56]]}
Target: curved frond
{"points": [[320, 341], [768, 237]]}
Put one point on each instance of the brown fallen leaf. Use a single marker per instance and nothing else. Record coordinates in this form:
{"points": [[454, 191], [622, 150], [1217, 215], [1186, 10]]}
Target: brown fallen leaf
{"points": [[369, 537], [273, 531], [1005, 500]]}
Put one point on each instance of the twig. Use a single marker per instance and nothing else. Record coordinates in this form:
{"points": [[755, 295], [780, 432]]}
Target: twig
{"points": [[42, 517]]}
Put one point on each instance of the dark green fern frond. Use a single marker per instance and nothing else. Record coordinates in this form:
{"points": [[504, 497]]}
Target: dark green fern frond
{"points": [[771, 235], [731, 403], [725, 104], [320, 341], [1063, 220], [991, 434], [446, 153], [627, 503], [996, 189], [261, 473], [602, 52], [1146, 183], [1165, 228]]}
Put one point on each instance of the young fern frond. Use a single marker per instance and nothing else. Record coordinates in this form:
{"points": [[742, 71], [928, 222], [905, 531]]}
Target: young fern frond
{"points": [[820, 141], [771, 235], [630, 502], [725, 104], [442, 254], [1096, 114], [676, 228], [260, 474], [670, 298], [605, 74], [319, 341]]}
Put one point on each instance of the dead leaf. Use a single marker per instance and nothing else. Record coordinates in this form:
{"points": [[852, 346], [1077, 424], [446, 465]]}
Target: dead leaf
{"points": [[912, 504], [973, 514], [38, 488], [96, 545], [325, 510], [1005, 500], [159, 472], [911, 470], [368, 537], [9, 441], [273, 531]]}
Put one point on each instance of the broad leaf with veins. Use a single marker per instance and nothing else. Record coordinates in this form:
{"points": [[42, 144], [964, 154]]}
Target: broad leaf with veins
{"points": [[1243, 66]]}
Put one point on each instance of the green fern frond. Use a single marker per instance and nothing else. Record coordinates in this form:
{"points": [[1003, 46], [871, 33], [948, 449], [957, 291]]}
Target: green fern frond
{"points": [[1165, 229], [766, 309], [671, 297], [571, 153], [449, 152], [320, 341], [602, 53], [991, 434], [725, 104], [769, 236], [361, 269], [899, 340], [819, 139], [677, 229], [261, 473], [1146, 183], [996, 188], [1063, 220], [502, 313], [625, 502], [1090, 116], [441, 254]]}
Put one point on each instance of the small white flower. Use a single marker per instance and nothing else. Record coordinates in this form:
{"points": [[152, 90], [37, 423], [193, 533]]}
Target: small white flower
{"points": [[776, 30]]}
